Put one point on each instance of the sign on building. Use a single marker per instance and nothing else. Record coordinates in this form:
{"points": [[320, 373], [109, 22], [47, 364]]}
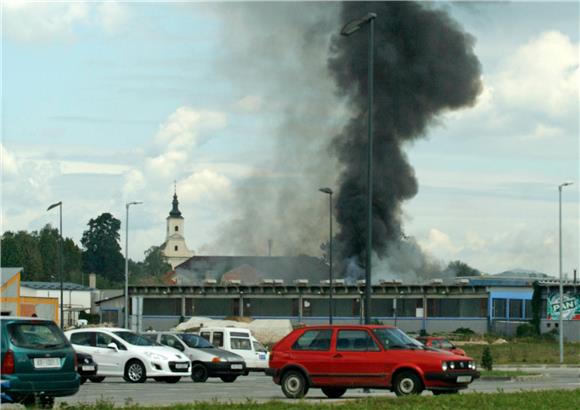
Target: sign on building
{"points": [[571, 309]]}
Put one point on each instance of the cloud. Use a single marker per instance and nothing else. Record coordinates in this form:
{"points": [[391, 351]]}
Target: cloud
{"points": [[183, 129], [439, 243], [204, 186], [47, 22], [541, 74], [9, 164], [250, 103]]}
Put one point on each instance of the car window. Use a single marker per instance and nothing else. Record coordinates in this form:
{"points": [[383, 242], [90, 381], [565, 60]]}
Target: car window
{"points": [[393, 338], [314, 340], [171, 341], [134, 338], [259, 347], [83, 338], [355, 340], [206, 336], [436, 343], [218, 339], [103, 341], [445, 344], [36, 335], [240, 343], [195, 341]]}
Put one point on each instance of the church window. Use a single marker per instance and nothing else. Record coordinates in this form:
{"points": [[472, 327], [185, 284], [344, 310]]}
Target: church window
{"points": [[176, 247], [176, 228]]}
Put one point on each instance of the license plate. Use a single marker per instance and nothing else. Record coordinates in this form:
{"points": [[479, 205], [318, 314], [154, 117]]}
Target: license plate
{"points": [[181, 365], [237, 367], [47, 363], [88, 368], [463, 379]]}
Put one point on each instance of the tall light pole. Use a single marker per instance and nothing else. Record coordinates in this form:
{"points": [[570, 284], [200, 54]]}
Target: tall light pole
{"points": [[330, 301], [347, 30], [60, 262], [126, 309], [561, 319]]}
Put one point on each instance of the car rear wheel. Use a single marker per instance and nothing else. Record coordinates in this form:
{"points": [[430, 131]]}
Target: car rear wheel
{"points": [[96, 379], [135, 372], [407, 383], [83, 380], [294, 385], [199, 373], [333, 392], [229, 378]]}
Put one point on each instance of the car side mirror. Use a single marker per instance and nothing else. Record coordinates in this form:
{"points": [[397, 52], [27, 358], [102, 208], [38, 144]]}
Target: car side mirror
{"points": [[113, 346]]}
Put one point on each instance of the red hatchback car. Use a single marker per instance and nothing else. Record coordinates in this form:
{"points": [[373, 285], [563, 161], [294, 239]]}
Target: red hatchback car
{"points": [[336, 358], [441, 343]]}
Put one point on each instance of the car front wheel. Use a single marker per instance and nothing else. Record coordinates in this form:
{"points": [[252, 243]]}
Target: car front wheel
{"points": [[294, 385], [228, 378], [135, 372], [199, 373], [407, 383]]}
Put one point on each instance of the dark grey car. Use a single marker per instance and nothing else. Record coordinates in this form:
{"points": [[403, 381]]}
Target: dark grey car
{"points": [[206, 360]]}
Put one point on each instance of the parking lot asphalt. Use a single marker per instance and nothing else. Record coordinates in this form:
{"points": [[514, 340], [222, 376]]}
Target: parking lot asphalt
{"points": [[260, 388]]}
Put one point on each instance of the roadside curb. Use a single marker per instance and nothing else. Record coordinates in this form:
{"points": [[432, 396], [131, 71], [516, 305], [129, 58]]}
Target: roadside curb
{"points": [[511, 378]]}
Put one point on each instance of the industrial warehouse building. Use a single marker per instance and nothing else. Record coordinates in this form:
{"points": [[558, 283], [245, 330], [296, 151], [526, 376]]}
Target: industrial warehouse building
{"points": [[482, 304]]}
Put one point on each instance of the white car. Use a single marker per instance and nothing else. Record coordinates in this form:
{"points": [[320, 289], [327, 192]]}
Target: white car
{"points": [[120, 352], [241, 342]]}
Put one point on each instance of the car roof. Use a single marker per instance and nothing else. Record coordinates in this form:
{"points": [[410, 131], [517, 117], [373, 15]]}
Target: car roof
{"points": [[348, 327], [99, 329]]}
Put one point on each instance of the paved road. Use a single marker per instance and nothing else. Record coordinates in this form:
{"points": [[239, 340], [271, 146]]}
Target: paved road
{"points": [[260, 388]]}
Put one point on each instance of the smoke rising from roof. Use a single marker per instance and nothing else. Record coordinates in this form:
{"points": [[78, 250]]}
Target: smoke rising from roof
{"points": [[315, 85], [424, 65]]}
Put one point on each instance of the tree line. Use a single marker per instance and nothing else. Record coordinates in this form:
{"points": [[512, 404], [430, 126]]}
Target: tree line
{"points": [[37, 252]]}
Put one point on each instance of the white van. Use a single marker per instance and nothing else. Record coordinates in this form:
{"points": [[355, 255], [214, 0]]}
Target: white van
{"points": [[238, 341]]}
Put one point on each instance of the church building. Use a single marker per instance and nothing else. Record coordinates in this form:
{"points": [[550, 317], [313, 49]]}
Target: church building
{"points": [[174, 248]]}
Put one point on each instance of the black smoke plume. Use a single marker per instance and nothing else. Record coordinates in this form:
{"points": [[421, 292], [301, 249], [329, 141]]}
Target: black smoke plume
{"points": [[424, 66]]}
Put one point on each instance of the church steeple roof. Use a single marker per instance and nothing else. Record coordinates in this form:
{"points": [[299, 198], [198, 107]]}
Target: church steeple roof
{"points": [[175, 212]]}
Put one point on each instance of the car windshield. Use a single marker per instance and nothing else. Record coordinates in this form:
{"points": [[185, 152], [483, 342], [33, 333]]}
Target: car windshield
{"points": [[393, 338], [195, 341], [135, 339], [37, 335], [259, 347], [446, 344]]}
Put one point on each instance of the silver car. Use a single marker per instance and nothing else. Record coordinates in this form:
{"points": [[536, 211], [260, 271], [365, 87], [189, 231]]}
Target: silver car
{"points": [[206, 360]]}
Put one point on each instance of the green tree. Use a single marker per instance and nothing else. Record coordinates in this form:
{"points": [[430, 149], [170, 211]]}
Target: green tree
{"points": [[155, 263], [102, 253], [487, 359], [73, 261], [48, 246], [458, 268]]}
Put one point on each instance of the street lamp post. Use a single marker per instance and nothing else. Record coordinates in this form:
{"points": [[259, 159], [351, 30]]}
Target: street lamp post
{"points": [[561, 319], [60, 262], [347, 30], [330, 301], [126, 310]]}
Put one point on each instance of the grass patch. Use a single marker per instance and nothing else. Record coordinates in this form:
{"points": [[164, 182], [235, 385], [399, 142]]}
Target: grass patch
{"points": [[533, 400], [527, 352], [505, 373]]}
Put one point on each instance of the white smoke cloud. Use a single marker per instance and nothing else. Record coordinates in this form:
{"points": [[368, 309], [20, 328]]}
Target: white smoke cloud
{"points": [[9, 164], [542, 75], [45, 22]]}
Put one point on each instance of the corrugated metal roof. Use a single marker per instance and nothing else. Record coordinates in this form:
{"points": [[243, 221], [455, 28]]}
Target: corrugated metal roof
{"points": [[54, 285]]}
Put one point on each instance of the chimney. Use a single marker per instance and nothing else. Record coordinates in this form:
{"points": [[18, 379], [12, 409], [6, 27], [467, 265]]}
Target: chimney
{"points": [[574, 276], [92, 280]]}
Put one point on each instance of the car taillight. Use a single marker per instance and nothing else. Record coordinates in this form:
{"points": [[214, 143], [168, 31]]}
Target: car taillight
{"points": [[76, 361], [8, 363]]}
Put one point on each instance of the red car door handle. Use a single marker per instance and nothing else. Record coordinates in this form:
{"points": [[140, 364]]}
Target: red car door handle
{"points": [[337, 356]]}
